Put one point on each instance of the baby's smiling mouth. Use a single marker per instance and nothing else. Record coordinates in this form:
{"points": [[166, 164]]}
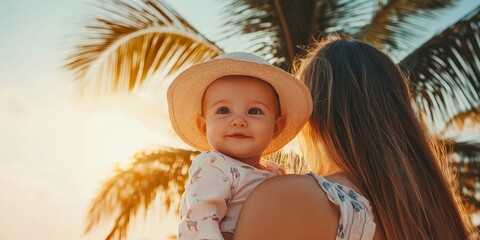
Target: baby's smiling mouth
{"points": [[238, 136]]}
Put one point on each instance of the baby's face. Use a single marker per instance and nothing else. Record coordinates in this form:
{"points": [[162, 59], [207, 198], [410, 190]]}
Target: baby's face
{"points": [[239, 116]]}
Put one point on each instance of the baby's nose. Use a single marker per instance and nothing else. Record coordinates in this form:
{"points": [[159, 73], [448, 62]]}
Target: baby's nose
{"points": [[238, 122]]}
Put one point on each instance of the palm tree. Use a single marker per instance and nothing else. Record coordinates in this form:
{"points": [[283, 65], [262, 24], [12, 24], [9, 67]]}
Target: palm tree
{"points": [[445, 73], [133, 42]]}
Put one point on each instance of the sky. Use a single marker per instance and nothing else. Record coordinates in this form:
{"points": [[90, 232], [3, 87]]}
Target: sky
{"points": [[55, 151]]}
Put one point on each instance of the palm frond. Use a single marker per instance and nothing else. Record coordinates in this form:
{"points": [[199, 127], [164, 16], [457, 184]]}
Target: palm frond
{"points": [[263, 24], [396, 23], [461, 120], [465, 161], [130, 42], [445, 71], [464, 151], [277, 28], [162, 171], [291, 160]]}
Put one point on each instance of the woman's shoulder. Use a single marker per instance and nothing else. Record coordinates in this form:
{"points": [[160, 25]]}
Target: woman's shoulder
{"points": [[300, 184], [288, 207], [294, 188]]}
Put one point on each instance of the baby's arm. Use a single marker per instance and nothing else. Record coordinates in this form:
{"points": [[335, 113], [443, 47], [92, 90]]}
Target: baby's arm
{"points": [[205, 199]]}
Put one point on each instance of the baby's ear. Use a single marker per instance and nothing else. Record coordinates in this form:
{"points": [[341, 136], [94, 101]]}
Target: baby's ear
{"points": [[280, 124], [202, 124]]}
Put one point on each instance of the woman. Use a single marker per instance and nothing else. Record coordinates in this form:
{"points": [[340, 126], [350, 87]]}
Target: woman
{"points": [[385, 178]]}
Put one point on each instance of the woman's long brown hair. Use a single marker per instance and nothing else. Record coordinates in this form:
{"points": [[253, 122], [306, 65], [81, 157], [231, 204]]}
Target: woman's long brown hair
{"points": [[364, 126]]}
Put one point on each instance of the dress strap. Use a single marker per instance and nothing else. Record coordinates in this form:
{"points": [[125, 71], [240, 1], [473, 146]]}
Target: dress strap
{"points": [[356, 218]]}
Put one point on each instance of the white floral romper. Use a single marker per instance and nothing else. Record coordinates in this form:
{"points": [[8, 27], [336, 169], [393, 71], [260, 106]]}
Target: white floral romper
{"points": [[356, 218], [214, 194]]}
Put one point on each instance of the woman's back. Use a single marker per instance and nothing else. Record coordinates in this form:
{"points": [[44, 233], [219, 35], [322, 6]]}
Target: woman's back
{"points": [[298, 207]]}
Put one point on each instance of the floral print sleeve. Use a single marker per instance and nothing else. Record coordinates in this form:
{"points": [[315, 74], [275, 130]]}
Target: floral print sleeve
{"points": [[204, 202]]}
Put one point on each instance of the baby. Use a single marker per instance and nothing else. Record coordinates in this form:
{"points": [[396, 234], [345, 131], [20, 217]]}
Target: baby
{"points": [[236, 108]]}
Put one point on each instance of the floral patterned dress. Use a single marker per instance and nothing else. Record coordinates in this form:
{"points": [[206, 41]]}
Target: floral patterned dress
{"points": [[356, 218], [217, 187]]}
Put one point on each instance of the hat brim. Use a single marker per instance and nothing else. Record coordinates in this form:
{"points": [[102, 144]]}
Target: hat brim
{"points": [[186, 92]]}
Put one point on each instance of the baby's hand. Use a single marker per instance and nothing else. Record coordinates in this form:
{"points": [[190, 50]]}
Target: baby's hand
{"points": [[227, 235]]}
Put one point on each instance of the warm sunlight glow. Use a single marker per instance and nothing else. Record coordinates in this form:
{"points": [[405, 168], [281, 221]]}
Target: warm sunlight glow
{"points": [[56, 150]]}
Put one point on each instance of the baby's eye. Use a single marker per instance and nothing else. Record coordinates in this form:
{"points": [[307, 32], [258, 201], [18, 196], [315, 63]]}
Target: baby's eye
{"points": [[255, 111], [223, 110]]}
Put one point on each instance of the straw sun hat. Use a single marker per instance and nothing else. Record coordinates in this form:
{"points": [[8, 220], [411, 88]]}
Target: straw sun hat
{"points": [[186, 92]]}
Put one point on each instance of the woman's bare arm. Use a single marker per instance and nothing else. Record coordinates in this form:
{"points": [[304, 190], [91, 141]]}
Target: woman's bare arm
{"points": [[227, 236], [288, 207]]}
